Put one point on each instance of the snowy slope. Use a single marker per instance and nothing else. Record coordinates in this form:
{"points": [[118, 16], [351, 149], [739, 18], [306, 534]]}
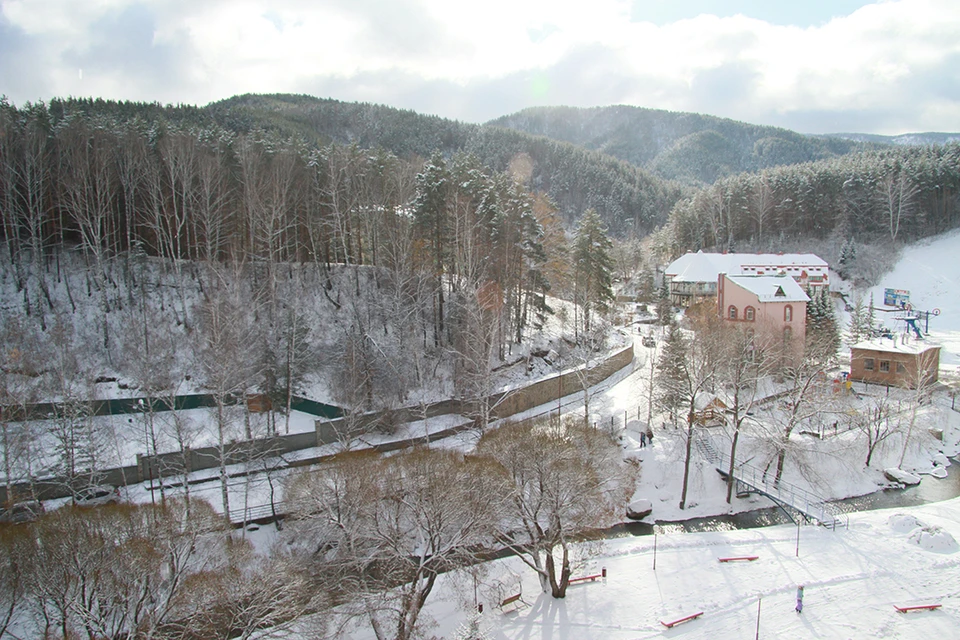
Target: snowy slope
{"points": [[930, 271]]}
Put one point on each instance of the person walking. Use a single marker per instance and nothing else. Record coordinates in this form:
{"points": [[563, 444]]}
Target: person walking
{"points": [[643, 439], [800, 599]]}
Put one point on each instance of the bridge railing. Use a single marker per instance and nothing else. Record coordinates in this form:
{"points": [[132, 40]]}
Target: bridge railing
{"points": [[764, 480]]}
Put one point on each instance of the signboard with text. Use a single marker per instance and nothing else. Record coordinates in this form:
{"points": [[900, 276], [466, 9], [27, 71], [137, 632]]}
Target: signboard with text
{"points": [[896, 297]]}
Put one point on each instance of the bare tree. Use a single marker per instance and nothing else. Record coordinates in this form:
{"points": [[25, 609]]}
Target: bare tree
{"points": [[224, 337], [807, 396], [150, 351], [687, 369], [15, 565], [899, 194], [383, 529], [563, 479], [878, 421], [20, 383], [89, 185], [124, 570], [762, 203], [919, 378], [743, 364]]}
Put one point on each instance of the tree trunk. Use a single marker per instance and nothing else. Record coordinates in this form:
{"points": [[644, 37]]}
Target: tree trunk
{"points": [[686, 461], [733, 457]]}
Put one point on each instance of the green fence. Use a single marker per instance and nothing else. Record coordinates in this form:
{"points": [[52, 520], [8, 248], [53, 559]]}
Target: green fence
{"points": [[124, 406]]}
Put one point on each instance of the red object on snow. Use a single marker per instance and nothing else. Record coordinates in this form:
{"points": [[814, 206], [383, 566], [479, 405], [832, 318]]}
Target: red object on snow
{"points": [[918, 607], [670, 625]]}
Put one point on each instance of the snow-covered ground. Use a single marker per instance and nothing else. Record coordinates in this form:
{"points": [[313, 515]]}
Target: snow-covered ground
{"points": [[852, 579]]}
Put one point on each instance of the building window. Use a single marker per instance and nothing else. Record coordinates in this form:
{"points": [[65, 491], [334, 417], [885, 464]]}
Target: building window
{"points": [[901, 368], [732, 312], [788, 314], [885, 366], [748, 314], [868, 364]]}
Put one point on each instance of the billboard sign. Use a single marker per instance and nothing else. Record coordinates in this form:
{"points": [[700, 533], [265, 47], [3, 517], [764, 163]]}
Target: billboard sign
{"points": [[896, 298]]}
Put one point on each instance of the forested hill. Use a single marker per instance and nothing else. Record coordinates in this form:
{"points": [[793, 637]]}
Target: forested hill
{"points": [[576, 179], [689, 147], [929, 137], [853, 210]]}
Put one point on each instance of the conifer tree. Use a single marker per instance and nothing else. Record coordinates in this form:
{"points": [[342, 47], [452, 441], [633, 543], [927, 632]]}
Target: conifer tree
{"points": [[430, 221], [823, 334], [593, 267], [663, 303]]}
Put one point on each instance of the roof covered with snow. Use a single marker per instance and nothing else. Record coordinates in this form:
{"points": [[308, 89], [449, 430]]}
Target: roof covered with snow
{"points": [[771, 288], [898, 344], [706, 267]]}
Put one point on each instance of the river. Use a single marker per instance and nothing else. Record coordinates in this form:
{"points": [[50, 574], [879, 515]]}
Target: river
{"points": [[929, 490]]}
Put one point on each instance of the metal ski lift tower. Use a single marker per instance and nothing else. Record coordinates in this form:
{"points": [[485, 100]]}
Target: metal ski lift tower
{"points": [[910, 317]]}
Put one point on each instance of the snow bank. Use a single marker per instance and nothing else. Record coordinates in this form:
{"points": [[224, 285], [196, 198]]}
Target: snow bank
{"points": [[935, 539], [904, 522]]}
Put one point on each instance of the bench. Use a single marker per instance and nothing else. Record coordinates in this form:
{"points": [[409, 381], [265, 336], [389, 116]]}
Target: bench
{"points": [[917, 607], [739, 559], [670, 625], [585, 579], [511, 600]]}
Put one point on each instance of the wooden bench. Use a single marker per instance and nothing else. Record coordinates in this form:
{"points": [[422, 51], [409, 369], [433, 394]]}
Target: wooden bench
{"points": [[739, 559], [670, 625], [511, 600], [917, 607], [585, 579]]}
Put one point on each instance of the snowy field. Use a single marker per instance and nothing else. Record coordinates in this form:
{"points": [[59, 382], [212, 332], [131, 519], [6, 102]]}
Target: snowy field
{"points": [[852, 578]]}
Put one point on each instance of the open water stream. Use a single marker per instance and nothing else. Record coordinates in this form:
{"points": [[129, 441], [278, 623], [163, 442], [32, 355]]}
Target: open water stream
{"points": [[929, 490]]}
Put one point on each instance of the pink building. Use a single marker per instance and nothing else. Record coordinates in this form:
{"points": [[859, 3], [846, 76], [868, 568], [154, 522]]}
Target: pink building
{"points": [[775, 305]]}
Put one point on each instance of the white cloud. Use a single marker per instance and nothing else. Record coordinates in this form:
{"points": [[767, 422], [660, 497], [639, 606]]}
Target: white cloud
{"points": [[887, 65]]}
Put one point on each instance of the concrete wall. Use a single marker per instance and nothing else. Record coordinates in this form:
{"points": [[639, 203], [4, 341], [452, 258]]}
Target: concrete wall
{"points": [[502, 405], [544, 391]]}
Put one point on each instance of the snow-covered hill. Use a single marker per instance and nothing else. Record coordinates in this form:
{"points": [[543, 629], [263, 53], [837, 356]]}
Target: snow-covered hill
{"points": [[930, 271]]}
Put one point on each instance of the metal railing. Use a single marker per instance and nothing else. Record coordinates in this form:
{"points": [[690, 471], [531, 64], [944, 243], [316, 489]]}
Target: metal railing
{"points": [[761, 480]]}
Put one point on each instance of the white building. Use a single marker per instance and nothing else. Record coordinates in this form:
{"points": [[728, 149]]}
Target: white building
{"points": [[693, 276]]}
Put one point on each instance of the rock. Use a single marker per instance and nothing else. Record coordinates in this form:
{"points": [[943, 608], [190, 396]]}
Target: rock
{"points": [[903, 477], [639, 509], [941, 460]]}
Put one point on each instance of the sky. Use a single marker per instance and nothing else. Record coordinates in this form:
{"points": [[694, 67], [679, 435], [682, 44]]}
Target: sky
{"points": [[817, 66]]}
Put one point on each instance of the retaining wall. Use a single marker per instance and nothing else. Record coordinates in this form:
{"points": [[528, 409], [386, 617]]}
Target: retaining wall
{"points": [[503, 405]]}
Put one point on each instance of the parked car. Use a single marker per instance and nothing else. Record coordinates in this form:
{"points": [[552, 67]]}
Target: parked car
{"points": [[26, 511], [97, 495]]}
